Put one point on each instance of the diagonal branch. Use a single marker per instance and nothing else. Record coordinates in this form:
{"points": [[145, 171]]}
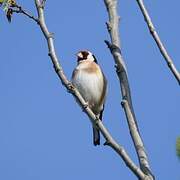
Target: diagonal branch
{"points": [[94, 119], [158, 41], [113, 29], [20, 10]]}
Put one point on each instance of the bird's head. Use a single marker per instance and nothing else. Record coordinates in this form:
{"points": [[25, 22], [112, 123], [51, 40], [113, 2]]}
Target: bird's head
{"points": [[85, 55]]}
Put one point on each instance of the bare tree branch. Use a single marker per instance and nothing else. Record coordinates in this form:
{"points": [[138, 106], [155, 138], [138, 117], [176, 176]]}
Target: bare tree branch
{"points": [[158, 41], [94, 119], [113, 29]]}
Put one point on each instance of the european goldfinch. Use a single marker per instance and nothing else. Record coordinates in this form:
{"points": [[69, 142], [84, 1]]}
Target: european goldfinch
{"points": [[90, 81]]}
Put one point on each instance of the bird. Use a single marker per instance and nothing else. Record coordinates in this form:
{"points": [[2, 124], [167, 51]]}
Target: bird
{"points": [[91, 82]]}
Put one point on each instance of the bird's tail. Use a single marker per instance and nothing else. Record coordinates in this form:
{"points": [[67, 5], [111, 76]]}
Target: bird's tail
{"points": [[96, 136], [96, 132]]}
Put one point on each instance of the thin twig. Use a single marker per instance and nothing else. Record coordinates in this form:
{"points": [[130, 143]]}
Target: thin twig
{"points": [[158, 41], [24, 12], [94, 119], [113, 29]]}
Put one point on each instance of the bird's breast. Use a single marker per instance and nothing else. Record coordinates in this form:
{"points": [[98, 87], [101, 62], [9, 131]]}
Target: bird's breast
{"points": [[90, 85]]}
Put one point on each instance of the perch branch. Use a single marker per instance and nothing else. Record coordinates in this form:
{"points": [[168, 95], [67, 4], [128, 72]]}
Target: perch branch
{"points": [[158, 41], [113, 29], [94, 119]]}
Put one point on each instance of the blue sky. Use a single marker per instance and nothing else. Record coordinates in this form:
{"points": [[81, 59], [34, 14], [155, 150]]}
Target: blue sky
{"points": [[43, 132]]}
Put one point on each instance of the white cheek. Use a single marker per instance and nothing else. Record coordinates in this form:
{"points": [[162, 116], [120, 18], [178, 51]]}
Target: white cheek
{"points": [[80, 55], [90, 58]]}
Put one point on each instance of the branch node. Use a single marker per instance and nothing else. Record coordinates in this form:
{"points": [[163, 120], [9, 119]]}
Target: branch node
{"points": [[96, 120], [151, 28], [140, 148], [40, 6], [123, 102], [85, 106], [38, 21], [56, 68], [108, 44], [118, 68], [50, 54], [50, 35], [148, 173], [169, 64], [113, 48], [70, 87], [109, 27], [107, 143], [43, 3]]}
